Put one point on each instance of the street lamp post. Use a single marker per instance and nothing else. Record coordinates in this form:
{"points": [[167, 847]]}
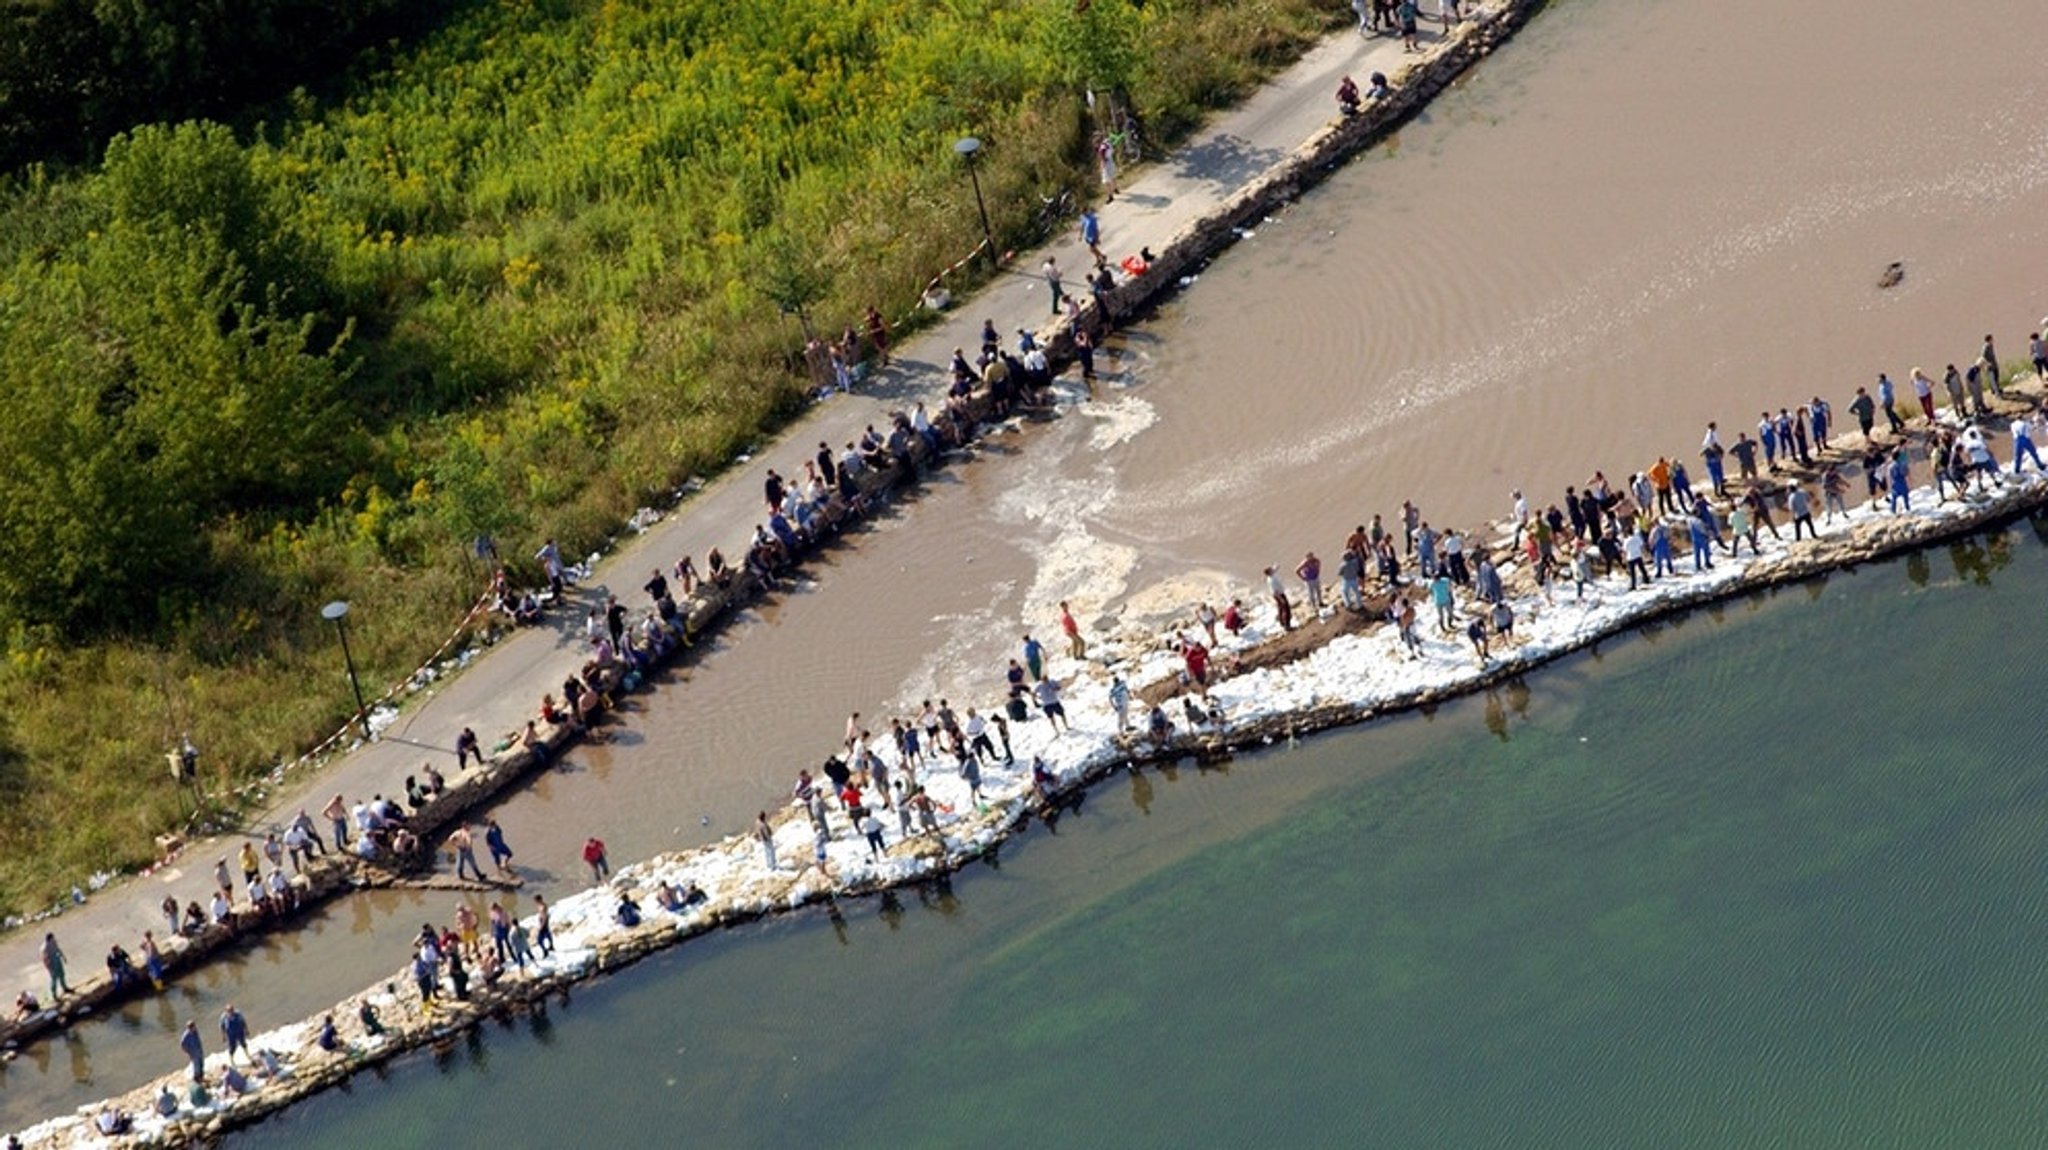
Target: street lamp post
{"points": [[968, 148], [335, 612]]}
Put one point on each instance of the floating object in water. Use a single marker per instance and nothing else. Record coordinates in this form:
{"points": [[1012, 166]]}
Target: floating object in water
{"points": [[1893, 273]]}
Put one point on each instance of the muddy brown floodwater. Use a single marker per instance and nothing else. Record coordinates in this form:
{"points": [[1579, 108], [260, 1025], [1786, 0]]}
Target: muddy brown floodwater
{"points": [[1637, 217]]}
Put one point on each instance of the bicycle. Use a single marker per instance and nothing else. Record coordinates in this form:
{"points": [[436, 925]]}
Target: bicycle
{"points": [[1053, 211], [1123, 138]]}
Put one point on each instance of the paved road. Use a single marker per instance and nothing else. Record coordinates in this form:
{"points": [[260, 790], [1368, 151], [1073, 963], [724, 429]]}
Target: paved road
{"points": [[498, 692]]}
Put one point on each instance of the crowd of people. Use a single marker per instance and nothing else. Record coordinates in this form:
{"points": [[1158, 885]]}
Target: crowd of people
{"points": [[1791, 479], [447, 960], [1598, 533], [1798, 464], [262, 883], [1403, 18], [205, 1092], [877, 773], [870, 774], [624, 645]]}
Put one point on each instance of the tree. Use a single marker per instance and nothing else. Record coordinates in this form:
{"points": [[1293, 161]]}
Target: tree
{"points": [[788, 274], [74, 71], [90, 536], [195, 178], [159, 391], [470, 499], [1095, 44]]}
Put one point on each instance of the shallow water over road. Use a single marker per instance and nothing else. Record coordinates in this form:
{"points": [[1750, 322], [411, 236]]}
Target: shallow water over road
{"points": [[1634, 218]]}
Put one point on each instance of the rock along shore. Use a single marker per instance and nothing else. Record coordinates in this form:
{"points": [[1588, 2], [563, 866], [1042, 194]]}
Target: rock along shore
{"points": [[712, 607], [1357, 674], [1353, 677]]}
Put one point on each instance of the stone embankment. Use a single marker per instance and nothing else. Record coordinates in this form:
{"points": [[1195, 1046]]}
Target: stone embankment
{"points": [[710, 607], [1357, 674]]}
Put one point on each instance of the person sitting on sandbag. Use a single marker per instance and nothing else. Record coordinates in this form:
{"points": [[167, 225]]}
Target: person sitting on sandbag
{"points": [[1042, 780], [273, 1067], [1159, 726], [670, 898], [112, 1120]]}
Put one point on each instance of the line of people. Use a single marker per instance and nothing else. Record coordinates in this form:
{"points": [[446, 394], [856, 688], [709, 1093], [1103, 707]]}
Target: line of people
{"points": [[1639, 528]]}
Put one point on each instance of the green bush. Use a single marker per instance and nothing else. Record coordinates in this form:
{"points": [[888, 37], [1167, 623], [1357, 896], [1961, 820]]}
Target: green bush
{"points": [[74, 72], [516, 279]]}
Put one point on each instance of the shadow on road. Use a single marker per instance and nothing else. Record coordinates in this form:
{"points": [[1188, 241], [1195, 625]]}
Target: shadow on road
{"points": [[1226, 161]]}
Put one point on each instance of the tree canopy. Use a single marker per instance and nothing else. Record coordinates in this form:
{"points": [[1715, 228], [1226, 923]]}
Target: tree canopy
{"points": [[156, 380]]}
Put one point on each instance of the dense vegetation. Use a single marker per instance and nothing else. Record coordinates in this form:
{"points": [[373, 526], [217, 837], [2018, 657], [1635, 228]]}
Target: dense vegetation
{"points": [[73, 72], [514, 278]]}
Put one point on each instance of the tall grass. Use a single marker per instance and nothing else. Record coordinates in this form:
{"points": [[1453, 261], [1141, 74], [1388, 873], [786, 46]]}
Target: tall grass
{"points": [[550, 222]]}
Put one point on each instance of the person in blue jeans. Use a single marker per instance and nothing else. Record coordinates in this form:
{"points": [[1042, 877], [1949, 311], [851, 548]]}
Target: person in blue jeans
{"points": [[1681, 484], [1801, 506], [1901, 494], [1660, 550], [1887, 398], [464, 847], [2023, 446], [1716, 477], [1351, 574], [234, 1029], [1440, 595], [195, 1049]]}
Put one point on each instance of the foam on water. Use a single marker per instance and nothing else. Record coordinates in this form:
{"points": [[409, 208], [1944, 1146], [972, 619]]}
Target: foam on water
{"points": [[1117, 422]]}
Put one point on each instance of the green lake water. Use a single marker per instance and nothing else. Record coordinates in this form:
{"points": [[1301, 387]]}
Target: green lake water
{"points": [[1765, 875]]}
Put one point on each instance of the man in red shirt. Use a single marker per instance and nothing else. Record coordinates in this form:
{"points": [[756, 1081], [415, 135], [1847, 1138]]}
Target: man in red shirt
{"points": [[1077, 647]]}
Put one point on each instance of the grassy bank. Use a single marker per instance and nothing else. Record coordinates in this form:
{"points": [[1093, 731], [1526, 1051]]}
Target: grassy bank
{"points": [[517, 279]]}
